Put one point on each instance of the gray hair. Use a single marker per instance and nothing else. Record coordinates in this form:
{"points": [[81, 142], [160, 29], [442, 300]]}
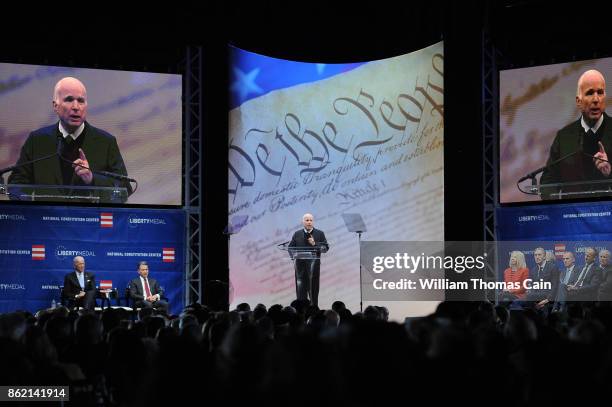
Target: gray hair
{"points": [[61, 82], [581, 79]]}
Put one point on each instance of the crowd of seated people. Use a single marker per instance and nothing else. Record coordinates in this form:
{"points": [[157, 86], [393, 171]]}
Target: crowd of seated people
{"points": [[550, 286], [476, 353]]}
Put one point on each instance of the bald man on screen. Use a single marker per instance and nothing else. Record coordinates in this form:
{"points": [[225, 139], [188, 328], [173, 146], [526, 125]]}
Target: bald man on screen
{"points": [[586, 142], [80, 146]]}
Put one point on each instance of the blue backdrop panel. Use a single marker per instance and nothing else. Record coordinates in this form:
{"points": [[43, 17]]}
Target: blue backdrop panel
{"points": [[591, 221], [37, 245]]}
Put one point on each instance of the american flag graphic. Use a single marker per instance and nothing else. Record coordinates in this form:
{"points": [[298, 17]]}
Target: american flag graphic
{"points": [[254, 75], [106, 220], [38, 252], [559, 250], [106, 284], [168, 254]]}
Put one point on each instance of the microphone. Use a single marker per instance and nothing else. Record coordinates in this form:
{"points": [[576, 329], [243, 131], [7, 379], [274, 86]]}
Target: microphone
{"points": [[532, 174], [112, 175], [60, 154], [23, 164], [108, 174], [18, 165], [588, 146]]}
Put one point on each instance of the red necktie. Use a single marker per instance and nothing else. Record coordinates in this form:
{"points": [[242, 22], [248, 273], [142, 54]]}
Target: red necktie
{"points": [[147, 291]]}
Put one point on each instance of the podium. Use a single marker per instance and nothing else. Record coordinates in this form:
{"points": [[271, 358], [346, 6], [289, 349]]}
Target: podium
{"points": [[574, 189], [304, 259], [303, 253], [63, 193]]}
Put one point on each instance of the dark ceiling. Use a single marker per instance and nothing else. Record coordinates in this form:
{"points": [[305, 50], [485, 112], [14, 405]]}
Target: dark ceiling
{"points": [[137, 37]]}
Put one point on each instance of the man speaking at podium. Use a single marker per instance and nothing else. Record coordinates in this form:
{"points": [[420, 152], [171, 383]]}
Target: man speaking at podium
{"points": [[589, 139], [81, 145], [313, 242]]}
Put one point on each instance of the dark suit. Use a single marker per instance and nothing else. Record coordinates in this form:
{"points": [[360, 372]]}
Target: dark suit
{"points": [[561, 296], [587, 285], [307, 271], [100, 148], [137, 292], [550, 274], [578, 167], [72, 287], [605, 289]]}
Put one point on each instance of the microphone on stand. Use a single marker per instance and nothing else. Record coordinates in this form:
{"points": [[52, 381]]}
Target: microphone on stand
{"points": [[60, 153], [588, 147], [23, 164]]}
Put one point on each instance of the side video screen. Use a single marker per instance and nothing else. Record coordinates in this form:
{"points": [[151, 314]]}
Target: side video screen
{"points": [[555, 134], [90, 135]]}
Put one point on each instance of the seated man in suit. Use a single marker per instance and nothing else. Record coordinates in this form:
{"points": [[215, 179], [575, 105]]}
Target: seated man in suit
{"points": [[549, 300], [605, 289], [146, 291], [586, 286], [80, 286], [568, 277], [545, 271]]}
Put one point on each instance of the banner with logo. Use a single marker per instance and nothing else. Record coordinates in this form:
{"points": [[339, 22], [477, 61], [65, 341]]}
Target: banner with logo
{"points": [[592, 221], [555, 228], [38, 244]]}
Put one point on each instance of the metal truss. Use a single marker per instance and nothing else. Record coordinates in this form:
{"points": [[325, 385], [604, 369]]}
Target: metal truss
{"points": [[192, 180], [490, 137]]}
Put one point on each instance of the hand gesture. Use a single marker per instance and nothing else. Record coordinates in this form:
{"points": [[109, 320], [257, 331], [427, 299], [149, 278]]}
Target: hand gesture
{"points": [[311, 241], [602, 166], [84, 173], [542, 303]]}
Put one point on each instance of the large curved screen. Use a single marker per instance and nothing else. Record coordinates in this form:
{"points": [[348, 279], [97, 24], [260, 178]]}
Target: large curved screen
{"points": [[347, 143]]}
